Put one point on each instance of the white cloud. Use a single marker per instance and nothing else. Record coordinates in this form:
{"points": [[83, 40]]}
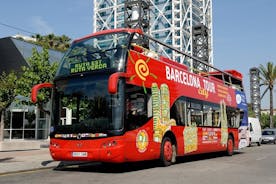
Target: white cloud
{"points": [[41, 26]]}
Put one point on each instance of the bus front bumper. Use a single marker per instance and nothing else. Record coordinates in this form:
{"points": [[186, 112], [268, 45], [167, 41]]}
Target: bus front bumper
{"points": [[87, 150]]}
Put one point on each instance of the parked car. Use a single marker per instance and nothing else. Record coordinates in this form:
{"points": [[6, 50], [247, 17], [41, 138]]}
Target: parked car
{"points": [[269, 136]]}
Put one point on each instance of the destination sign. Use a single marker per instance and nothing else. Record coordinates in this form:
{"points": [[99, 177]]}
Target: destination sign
{"points": [[87, 66]]}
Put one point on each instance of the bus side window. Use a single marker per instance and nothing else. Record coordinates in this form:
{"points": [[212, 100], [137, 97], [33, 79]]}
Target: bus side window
{"points": [[207, 115], [189, 119], [196, 112], [233, 117], [197, 118], [174, 114], [177, 111], [216, 116]]}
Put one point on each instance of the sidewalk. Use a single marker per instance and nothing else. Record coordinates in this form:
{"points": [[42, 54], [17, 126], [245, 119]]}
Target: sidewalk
{"points": [[25, 160]]}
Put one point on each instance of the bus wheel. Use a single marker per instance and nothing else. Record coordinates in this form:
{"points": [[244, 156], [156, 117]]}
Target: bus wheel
{"points": [[230, 146], [168, 152]]}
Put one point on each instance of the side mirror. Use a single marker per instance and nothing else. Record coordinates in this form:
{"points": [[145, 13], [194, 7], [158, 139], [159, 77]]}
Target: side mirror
{"points": [[113, 81], [37, 87]]}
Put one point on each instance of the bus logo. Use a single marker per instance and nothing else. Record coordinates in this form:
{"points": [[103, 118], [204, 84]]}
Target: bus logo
{"points": [[142, 69], [142, 141]]}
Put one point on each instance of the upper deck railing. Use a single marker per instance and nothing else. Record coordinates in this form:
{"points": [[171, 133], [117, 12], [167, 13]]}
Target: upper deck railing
{"points": [[159, 50], [229, 77]]}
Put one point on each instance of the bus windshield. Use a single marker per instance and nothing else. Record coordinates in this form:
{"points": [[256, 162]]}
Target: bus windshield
{"points": [[101, 52], [83, 105]]}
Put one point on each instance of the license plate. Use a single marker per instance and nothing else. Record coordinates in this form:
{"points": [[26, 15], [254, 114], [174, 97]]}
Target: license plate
{"points": [[79, 154]]}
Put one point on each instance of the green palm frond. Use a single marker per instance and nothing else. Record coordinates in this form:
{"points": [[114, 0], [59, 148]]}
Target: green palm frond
{"points": [[268, 78]]}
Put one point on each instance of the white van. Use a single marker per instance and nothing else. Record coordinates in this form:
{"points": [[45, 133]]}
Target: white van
{"points": [[255, 131]]}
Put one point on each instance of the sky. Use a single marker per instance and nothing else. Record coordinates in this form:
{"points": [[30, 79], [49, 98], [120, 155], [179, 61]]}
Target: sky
{"points": [[244, 31], [244, 36]]}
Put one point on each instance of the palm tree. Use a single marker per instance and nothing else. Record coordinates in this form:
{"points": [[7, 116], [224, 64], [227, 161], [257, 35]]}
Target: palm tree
{"points": [[63, 42], [52, 41], [268, 78]]}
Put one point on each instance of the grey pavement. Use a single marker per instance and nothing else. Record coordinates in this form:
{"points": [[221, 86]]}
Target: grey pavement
{"points": [[25, 160]]}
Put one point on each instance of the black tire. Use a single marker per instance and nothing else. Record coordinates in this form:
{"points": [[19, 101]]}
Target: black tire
{"points": [[168, 152], [250, 143], [259, 143], [230, 146]]}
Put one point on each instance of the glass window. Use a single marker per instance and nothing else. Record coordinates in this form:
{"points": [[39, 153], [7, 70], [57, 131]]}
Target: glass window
{"points": [[178, 111], [267, 132], [95, 53], [138, 107], [196, 117], [233, 117], [83, 105], [29, 121], [250, 127], [17, 120], [216, 115], [17, 134], [207, 115], [204, 113], [195, 113]]}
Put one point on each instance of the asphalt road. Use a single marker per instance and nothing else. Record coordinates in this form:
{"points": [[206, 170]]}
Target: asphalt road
{"points": [[253, 165]]}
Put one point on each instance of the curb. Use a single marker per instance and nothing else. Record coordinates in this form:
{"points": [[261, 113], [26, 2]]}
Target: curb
{"points": [[26, 170]]}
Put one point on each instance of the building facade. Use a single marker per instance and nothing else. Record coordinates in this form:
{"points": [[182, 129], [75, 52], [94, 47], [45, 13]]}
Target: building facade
{"points": [[171, 21], [22, 121]]}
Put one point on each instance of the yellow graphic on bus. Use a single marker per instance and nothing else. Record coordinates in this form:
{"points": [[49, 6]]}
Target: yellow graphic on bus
{"points": [[161, 111], [190, 138], [142, 69], [224, 125]]}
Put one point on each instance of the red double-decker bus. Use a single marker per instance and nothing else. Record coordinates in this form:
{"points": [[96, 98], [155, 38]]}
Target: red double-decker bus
{"points": [[122, 96]]}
